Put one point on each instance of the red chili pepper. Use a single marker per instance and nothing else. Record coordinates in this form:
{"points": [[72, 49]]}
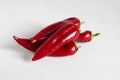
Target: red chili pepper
{"points": [[26, 43], [49, 30], [62, 36], [66, 50], [86, 36]]}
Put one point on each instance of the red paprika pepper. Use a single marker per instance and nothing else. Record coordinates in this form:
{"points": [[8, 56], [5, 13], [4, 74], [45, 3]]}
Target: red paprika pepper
{"points": [[65, 50], [49, 30], [83, 37], [86, 36], [26, 43], [62, 36]]}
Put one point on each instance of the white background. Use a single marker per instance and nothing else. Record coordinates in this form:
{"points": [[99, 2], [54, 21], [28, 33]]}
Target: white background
{"points": [[96, 60]]}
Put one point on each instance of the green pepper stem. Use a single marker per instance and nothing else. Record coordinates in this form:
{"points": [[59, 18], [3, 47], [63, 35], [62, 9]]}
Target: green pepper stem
{"points": [[78, 46], [82, 22], [96, 34]]}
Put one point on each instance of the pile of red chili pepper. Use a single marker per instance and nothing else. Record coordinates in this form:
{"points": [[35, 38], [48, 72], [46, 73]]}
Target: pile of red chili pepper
{"points": [[57, 39]]}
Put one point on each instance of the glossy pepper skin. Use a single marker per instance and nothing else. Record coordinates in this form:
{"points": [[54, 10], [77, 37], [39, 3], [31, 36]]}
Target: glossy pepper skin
{"points": [[66, 50], [50, 29], [85, 36], [62, 36], [26, 43]]}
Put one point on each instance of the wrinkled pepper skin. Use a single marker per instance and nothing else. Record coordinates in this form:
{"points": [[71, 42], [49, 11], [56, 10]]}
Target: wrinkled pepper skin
{"points": [[50, 29], [62, 36], [66, 50]]}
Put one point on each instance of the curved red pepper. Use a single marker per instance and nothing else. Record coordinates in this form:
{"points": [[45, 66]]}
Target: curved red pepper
{"points": [[26, 43], [86, 36], [66, 50], [50, 29], [62, 36]]}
